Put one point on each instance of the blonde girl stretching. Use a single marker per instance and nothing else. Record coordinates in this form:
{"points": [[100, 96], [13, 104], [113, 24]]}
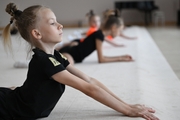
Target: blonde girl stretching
{"points": [[49, 72]]}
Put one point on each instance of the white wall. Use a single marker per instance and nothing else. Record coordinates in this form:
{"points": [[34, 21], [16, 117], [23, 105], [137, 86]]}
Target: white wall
{"points": [[71, 11]]}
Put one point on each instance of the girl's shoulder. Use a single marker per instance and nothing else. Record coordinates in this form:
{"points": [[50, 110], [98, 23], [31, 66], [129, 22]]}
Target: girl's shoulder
{"points": [[49, 63], [42, 56], [99, 34], [91, 30]]}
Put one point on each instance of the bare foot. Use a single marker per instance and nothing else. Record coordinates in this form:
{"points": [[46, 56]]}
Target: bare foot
{"points": [[12, 88], [142, 111]]}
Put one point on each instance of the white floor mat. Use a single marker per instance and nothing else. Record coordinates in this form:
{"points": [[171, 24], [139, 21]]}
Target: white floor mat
{"points": [[148, 80]]}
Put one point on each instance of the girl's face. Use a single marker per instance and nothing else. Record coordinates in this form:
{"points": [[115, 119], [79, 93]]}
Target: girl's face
{"points": [[49, 28], [115, 30], [95, 22]]}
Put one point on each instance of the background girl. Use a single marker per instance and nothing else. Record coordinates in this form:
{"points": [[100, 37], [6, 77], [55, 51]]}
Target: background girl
{"points": [[110, 38], [111, 26]]}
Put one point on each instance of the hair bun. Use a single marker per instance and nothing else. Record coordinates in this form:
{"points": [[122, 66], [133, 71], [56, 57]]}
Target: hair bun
{"points": [[116, 13], [90, 13], [11, 8], [108, 13]]}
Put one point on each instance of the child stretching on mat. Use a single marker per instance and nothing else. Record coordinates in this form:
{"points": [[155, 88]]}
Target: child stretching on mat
{"points": [[49, 71], [94, 24], [110, 38], [77, 53]]}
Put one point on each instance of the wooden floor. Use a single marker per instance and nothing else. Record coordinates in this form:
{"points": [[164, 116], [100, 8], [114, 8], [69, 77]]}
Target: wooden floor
{"points": [[168, 41]]}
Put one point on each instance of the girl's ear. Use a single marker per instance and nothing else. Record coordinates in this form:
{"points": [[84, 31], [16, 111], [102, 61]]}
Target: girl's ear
{"points": [[36, 34]]}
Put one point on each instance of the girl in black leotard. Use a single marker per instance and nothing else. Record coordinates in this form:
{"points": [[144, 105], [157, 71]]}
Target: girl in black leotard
{"points": [[49, 71], [111, 26]]}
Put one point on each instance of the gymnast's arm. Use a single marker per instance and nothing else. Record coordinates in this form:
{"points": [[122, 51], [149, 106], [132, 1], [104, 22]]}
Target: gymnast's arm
{"points": [[99, 94], [114, 44], [90, 80], [127, 37], [105, 59], [92, 91]]}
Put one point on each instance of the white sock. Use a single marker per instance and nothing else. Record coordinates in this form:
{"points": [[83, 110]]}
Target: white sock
{"points": [[21, 64]]}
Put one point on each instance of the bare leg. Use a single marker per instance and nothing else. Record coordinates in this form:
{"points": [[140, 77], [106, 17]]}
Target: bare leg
{"points": [[73, 43]]}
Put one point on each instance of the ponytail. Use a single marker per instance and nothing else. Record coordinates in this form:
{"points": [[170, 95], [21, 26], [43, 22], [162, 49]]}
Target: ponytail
{"points": [[25, 21], [6, 37], [12, 10]]}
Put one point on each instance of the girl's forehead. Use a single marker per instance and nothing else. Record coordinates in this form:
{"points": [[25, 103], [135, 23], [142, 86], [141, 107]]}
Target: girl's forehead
{"points": [[46, 13], [95, 18]]}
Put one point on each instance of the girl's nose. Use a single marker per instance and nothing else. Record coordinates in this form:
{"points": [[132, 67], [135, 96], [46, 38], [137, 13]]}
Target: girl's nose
{"points": [[60, 26]]}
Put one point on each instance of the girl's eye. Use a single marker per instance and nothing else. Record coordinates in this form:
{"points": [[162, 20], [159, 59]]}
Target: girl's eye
{"points": [[52, 23]]}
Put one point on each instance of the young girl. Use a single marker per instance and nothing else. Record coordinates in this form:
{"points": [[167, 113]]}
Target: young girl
{"points": [[94, 24], [77, 53], [49, 71], [110, 38]]}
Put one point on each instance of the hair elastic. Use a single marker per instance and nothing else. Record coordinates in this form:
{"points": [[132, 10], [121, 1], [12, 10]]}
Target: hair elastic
{"points": [[116, 13], [91, 12], [11, 21], [17, 12]]}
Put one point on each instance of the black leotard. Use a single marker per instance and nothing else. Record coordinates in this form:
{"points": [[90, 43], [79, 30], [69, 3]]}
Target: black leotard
{"points": [[85, 48]]}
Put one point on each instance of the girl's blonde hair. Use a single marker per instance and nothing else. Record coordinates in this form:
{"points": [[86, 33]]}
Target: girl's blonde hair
{"points": [[25, 21], [110, 18]]}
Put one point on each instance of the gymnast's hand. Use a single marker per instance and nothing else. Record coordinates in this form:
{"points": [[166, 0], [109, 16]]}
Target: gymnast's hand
{"points": [[125, 58], [142, 111], [119, 45], [133, 38]]}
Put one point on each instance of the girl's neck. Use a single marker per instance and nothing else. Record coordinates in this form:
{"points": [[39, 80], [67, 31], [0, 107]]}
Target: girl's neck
{"points": [[47, 48], [105, 32]]}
